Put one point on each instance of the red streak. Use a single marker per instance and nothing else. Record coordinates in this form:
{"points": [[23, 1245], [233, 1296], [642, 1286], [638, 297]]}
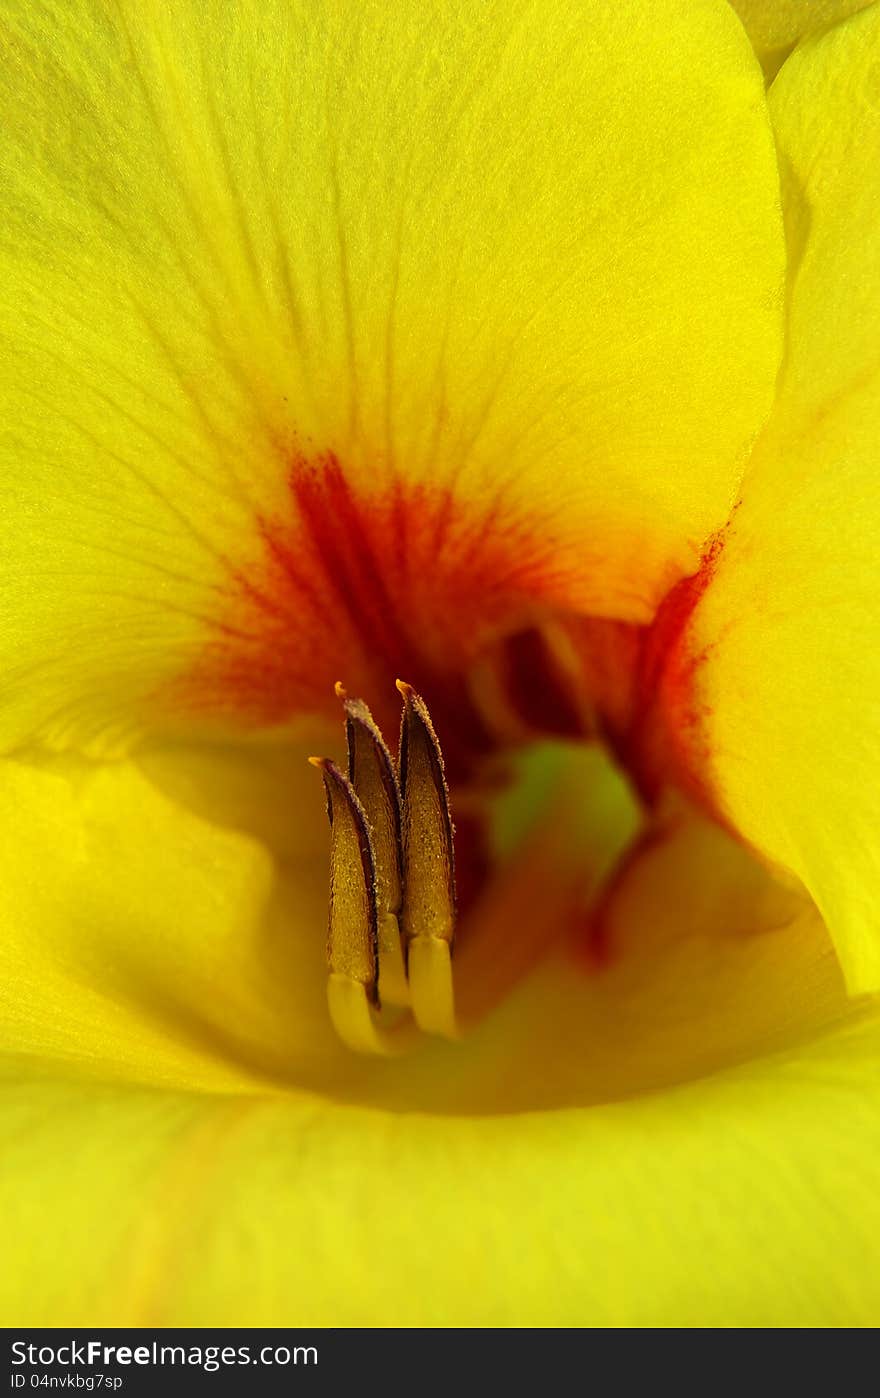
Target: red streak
{"points": [[412, 582], [364, 589], [664, 743]]}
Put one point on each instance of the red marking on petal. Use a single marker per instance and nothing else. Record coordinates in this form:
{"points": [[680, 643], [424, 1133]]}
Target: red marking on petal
{"points": [[365, 588], [662, 743], [674, 663]]}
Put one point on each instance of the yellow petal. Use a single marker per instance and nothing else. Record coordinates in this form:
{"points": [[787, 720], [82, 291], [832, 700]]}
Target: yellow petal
{"points": [[775, 686], [746, 1199], [139, 940], [775, 26], [168, 1159], [490, 290], [171, 946]]}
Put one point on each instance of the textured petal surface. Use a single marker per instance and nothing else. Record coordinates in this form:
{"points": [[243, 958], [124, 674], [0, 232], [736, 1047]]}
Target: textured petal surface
{"points": [[168, 1159], [776, 687], [321, 326], [748, 1199], [775, 26], [180, 951]]}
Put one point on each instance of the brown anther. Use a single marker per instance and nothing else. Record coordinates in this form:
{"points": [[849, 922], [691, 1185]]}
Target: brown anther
{"points": [[352, 944], [426, 827], [372, 774]]}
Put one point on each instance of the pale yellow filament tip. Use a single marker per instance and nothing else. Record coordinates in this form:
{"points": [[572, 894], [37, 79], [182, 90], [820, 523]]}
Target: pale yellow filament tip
{"points": [[357, 1023], [430, 986], [392, 971]]}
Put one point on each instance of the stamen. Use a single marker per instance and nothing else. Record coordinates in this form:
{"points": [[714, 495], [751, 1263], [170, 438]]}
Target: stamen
{"points": [[428, 917], [371, 773], [391, 871], [352, 946]]}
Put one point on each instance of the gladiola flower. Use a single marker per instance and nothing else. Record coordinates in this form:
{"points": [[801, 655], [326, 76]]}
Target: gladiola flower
{"points": [[526, 354]]}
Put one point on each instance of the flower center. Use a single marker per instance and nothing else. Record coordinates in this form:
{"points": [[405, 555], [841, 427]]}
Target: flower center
{"points": [[392, 883], [378, 582], [394, 854]]}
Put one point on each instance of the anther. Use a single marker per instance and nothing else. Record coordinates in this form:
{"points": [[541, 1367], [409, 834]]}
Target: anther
{"points": [[428, 914], [392, 874], [352, 945], [371, 773]]}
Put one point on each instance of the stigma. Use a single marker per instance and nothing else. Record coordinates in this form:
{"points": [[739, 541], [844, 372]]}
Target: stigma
{"points": [[392, 883]]}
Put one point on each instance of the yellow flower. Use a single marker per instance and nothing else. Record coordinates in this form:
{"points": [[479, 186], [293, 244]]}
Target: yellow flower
{"points": [[451, 342]]}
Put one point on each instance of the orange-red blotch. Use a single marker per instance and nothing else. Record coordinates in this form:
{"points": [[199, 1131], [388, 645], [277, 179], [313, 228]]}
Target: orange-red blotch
{"points": [[409, 580]]}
